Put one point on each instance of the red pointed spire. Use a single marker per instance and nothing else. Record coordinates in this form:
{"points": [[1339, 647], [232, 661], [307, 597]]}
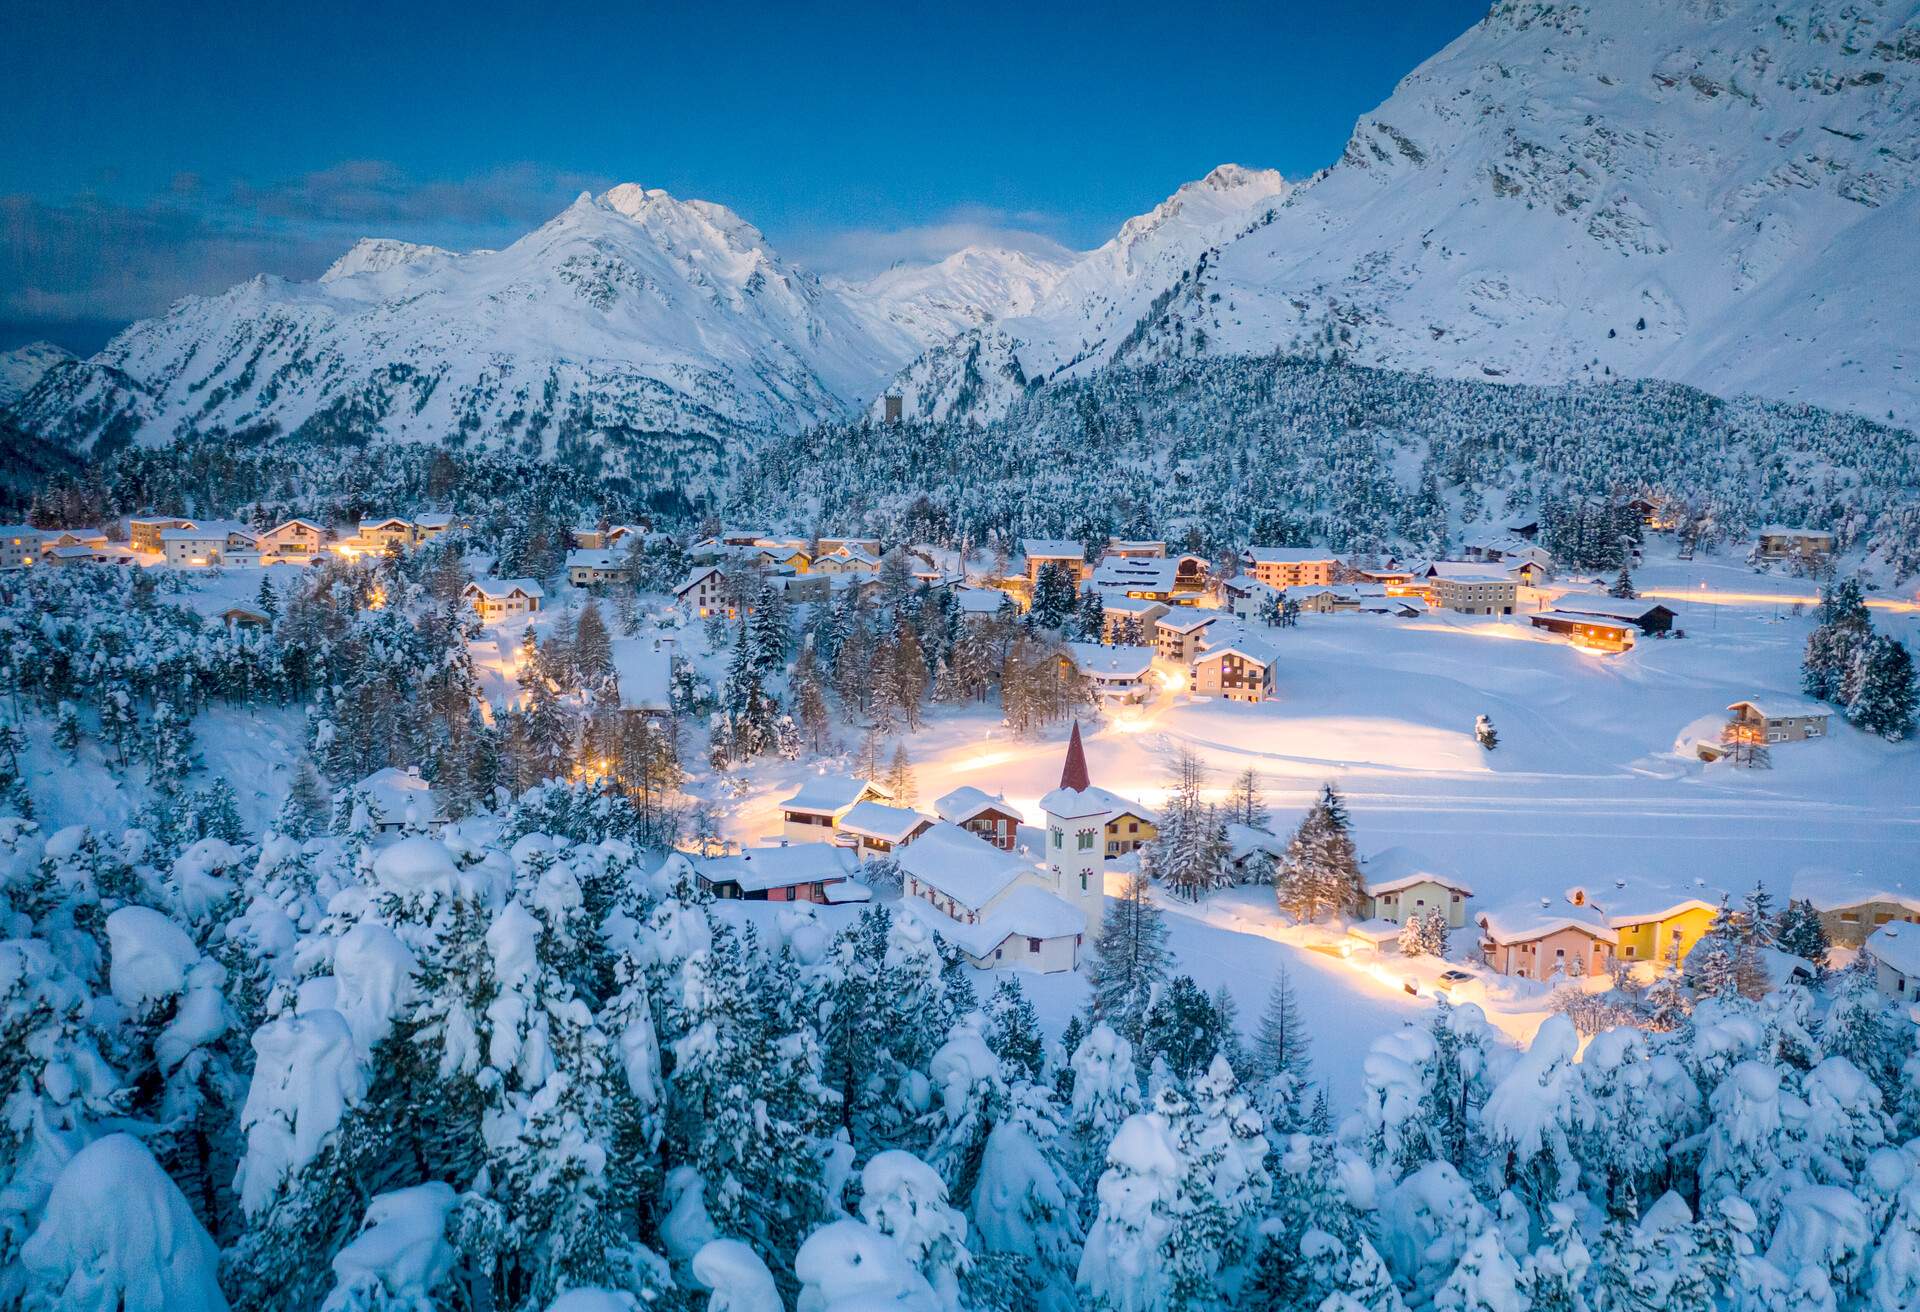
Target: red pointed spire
{"points": [[1075, 776]]}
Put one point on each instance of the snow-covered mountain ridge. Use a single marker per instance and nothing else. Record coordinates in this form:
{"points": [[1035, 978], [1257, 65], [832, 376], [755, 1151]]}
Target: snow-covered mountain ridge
{"points": [[629, 314], [1716, 192]]}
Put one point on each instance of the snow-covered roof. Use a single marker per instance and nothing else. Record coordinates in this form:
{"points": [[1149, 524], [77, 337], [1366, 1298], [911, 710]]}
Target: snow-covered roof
{"points": [[506, 587], [980, 601], [889, 824], [1081, 803], [203, 529], [1775, 707], [1187, 621], [589, 558], [1028, 912], [1122, 546], [644, 671], [1592, 621], [1113, 602], [1898, 946], [387, 521], [1097, 661], [694, 579], [395, 796], [1374, 931], [1782, 531], [829, 794], [1243, 646], [1466, 571], [1286, 555], [966, 802], [1535, 918], [1117, 805], [434, 519], [1834, 890], [1244, 840], [1051, 549], [1395, 868], [964, 866], [760, 868], [1152, 573], [1624, 608]]}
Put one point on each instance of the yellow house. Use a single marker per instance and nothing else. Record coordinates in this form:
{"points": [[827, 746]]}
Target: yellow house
{"points": [[1648, 917], [1129, 829]]}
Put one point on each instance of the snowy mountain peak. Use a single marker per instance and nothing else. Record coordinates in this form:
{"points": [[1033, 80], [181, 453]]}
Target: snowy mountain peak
{"points": [[24, 366], [378, 254]]}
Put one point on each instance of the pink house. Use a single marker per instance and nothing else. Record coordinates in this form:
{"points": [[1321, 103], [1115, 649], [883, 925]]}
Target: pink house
{"points": [[1543, 938]]}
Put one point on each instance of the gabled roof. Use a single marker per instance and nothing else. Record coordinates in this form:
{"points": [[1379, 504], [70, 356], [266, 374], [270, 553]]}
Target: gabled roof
{"points": [[1187, 621], [1531, 919], [829, 794], [1096, 660], [386, 521], [396, 796], [433, 519], [964, 803], [1151, 573], [644, 673], [1624, 608], [758, 869], [980, 601], [1466, 571], [1781, 530], [1783, 708], [1582, 617], [589, 558], [961, 865], [693, 580], [1898, 946], [208, 528], [1286, 555], [889, 824], [1247, 648], [1051, 549], [1395, 868], [498, 588], [1025, 912]]}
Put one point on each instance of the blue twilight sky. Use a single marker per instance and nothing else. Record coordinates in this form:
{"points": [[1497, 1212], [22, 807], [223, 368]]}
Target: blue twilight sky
{"points": [[155, 149]]}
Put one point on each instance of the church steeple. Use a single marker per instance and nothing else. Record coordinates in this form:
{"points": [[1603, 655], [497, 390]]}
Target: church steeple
{"points": [[1074, 774]]}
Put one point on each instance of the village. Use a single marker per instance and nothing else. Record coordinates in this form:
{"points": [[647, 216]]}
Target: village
{"points": [[1019, 878]]}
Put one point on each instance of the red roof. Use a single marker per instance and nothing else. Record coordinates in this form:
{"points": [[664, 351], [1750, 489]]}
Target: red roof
{"points": [[1074, 775]]}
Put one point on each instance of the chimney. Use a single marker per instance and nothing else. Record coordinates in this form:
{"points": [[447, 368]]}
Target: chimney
{"points": [[1074, 774], [413, 772]]}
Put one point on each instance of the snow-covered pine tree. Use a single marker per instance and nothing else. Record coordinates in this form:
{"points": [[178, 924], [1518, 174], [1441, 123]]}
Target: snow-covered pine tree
{"points": [[1803, 933], [1623, 586], [1484, 733], [1319, 874], [1130, 959]]}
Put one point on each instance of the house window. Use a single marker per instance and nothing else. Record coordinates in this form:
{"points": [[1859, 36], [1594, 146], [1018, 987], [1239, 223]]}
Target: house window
{"points": [[1083, 881], [1033, 945], [1059, 836], [1086, 840]]}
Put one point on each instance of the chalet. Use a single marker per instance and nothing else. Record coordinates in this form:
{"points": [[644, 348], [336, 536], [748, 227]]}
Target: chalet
{"points": [[81, 555], [851, 559], [1178, 637], [813, 813], [1118, 674], [876, 828], [1240, 670], [1400, 884], [1129, 621], [1778, 542], [1397, 582], [431, 525], [1469, 588], [1245, 597], [1134, 550], [1524, 527], [1542, 938], [54, 538], [1070, 556], [379, 534], [1654, 920], [871, 546], [1146, 578], [294, 539], [210, 542], [1594, 632], [399, 802], [1853, 905], [980, 605], [780, 556], [804, 872], [1894, 951], [245, 617], [1251, 852], [1128, 826], [589, 567], [1289, 567], [499, 599], [981, 814], [1508, 549], [143, 531], [798, 588], [592, 537], [703, 592], [1646, 616], [1000, 910], [643, 672], [1773, 719]]}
